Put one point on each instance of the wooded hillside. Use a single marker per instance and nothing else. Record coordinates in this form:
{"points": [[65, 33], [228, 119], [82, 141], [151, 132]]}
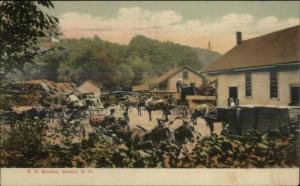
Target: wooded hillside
{"points": [[113, 65]]}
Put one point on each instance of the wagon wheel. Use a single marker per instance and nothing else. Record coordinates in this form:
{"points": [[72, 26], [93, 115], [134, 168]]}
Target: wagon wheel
{"points": [[181, 111]]}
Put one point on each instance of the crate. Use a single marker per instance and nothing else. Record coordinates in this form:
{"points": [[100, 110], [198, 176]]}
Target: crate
{"points": [[247, 119], [271, 118], [257, 118]]}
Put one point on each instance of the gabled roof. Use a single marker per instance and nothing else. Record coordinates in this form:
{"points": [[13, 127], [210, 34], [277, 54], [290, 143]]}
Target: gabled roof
{"points": [[279, 47], [89, 86], [65, 87], [171, 73], [56, 87], [94, 83]]}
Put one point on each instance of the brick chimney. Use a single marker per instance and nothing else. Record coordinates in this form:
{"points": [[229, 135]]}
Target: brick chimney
{"points": [[238, 38]]}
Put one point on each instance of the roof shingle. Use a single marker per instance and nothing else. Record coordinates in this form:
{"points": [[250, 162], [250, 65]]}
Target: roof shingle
{"points": [[275, 48], [170, 73]]}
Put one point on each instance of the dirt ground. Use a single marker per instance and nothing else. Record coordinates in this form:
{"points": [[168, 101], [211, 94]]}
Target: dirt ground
{"points": [[54, 136], [143, 121]]}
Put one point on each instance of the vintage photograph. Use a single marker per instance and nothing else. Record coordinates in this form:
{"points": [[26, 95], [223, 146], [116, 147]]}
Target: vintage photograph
{"points": [[149, 84]]}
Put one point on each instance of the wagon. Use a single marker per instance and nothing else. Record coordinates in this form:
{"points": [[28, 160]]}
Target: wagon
{"points": [[181, 111], [97, 116], [193, 96]]}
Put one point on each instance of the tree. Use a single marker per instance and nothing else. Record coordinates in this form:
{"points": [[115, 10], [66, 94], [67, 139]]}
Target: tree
{"points": [[162, 55], [23, 24], [140, 68], [88, 59], [108, 63], [126, 75]]}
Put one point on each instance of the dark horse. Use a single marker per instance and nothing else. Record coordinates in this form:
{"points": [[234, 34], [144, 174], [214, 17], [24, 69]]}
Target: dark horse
{"points": [[142, 138], [207, 112], [161, 104], [183, 133]]}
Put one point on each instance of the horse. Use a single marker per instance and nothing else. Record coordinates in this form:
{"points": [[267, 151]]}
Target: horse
{"points": [[184, 132], [131, 101], [208, 112], [94, 102], [118, 126], [152, 104], [143, 138]]}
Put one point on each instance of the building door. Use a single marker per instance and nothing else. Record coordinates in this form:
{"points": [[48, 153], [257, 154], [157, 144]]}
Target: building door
{"points": [[295, 95], [233, 93]]}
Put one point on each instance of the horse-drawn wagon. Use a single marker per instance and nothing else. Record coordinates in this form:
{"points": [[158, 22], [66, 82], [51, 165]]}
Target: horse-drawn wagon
{"points": [[97, 116], [192, 96]]}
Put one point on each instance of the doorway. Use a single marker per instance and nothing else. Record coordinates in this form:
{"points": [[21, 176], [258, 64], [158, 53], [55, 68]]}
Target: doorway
{"points": [[233, 93], [295, 96]]}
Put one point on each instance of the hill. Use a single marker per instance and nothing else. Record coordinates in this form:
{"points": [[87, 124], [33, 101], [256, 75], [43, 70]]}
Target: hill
{"points": [[113, 65], [206, 57]]}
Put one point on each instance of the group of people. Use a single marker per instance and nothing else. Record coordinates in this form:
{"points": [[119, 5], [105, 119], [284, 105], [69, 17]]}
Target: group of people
{"points": [[125, 113]]}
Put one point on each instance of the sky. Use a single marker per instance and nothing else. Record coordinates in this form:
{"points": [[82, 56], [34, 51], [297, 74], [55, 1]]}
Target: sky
{"points": [[192, 23]]}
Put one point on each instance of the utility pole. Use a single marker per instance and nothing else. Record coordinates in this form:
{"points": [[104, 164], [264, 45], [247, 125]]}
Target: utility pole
{"points": [[209, 52], [209, 46]]}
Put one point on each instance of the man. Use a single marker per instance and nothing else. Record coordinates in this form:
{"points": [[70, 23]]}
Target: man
{"points": [[170, 100], [179, 83], [166, 112], [139, 105], [125, 114], [112, 111], [231, 102], [83, 132], [149, 107], [149, 113]]}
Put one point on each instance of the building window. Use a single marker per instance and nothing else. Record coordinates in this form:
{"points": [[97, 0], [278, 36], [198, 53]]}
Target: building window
{"points": [[273, 84], [295, 96], [248, 84], [185, 74]]}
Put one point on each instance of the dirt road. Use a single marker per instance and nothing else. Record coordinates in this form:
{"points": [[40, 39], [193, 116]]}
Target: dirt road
{"points": [[143, 121]]}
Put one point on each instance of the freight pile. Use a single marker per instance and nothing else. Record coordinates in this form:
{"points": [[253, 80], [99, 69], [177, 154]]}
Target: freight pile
{"points": [[20, 94], [208, 88]]}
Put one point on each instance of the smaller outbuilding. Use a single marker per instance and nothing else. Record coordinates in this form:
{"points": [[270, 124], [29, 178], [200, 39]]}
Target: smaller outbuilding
{"points": [[168, 82], [90, 87]]}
